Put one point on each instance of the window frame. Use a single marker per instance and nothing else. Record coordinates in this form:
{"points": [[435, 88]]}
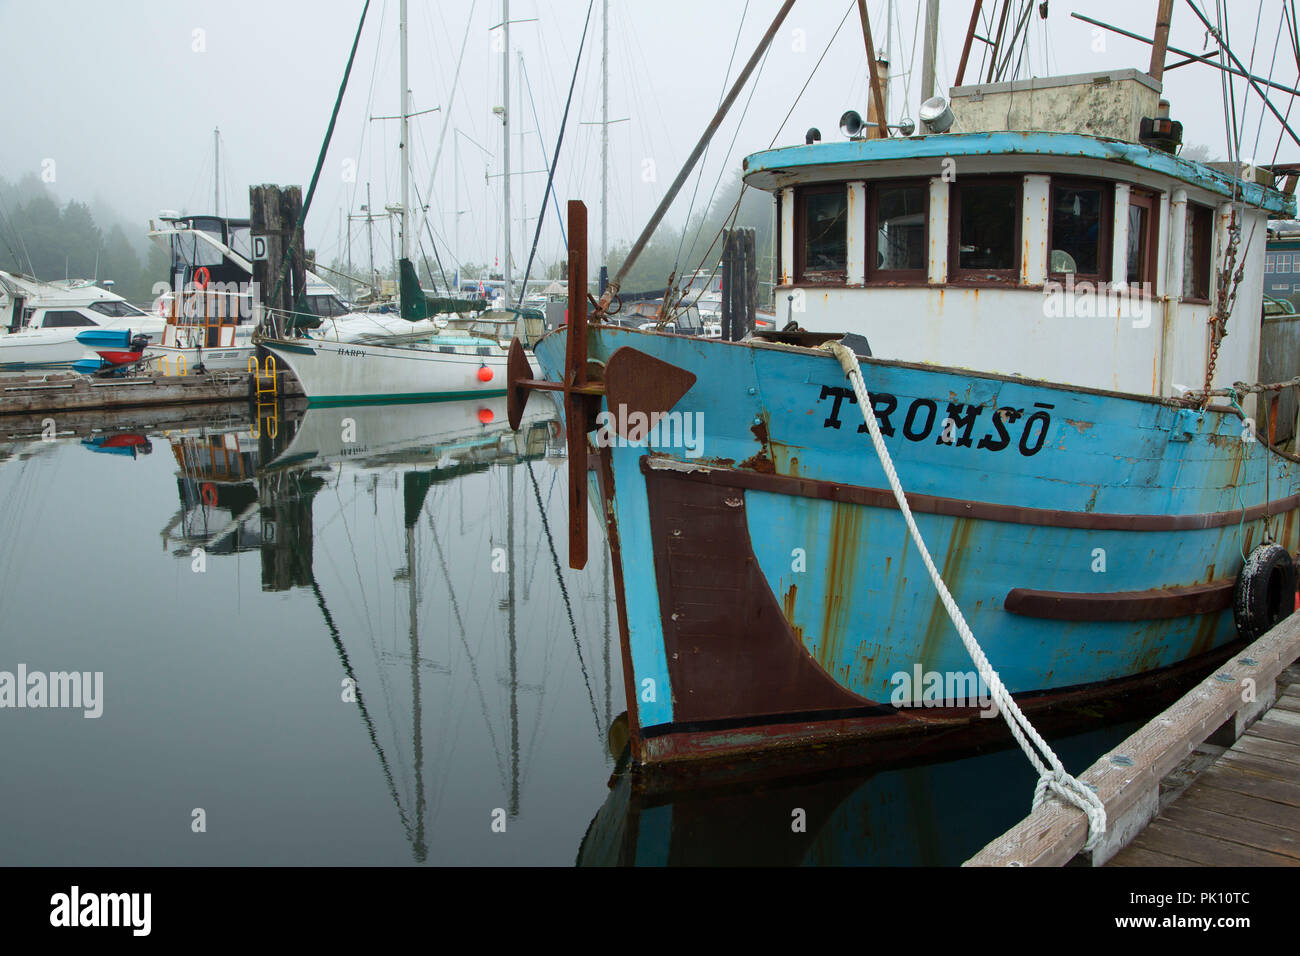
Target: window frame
{"points": [[981, 277], [1150, 201], [1201, 259], [873, 275], [801, 195], [1106, 229]]}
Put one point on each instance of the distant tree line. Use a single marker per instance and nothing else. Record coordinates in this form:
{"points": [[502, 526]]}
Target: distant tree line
{"points": [[40, 237]]}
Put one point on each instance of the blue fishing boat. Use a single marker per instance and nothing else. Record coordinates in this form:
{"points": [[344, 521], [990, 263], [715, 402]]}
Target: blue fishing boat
{"points": [[1034, 298]]}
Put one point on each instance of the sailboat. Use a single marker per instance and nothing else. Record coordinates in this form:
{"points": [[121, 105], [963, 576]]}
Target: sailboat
{"points": [[1019, 369], [449, 364]]}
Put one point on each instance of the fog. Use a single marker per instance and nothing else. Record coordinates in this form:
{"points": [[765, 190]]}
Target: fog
{"points": [[116, 103]]}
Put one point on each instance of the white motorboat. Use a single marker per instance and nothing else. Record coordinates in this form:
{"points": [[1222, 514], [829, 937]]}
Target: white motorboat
{"points": [[42, 321]]}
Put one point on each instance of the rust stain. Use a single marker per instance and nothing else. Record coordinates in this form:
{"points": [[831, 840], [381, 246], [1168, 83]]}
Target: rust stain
{"points": [[845, 544], [1080, 427], [761, 461], [953, 566]]}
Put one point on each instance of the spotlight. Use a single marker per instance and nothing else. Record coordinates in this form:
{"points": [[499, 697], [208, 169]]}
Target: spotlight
{"points": [[936, 115]]}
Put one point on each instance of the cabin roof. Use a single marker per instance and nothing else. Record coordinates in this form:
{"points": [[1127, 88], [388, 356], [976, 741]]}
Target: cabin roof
{"points": [[789, 165]]}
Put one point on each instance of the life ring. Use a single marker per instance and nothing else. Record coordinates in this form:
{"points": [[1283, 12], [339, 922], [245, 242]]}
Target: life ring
{"points": [[209, 493], [1265, 591], [201, 277]]}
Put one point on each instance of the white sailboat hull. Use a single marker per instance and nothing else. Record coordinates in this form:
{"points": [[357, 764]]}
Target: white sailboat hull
{"points": [[343, 373]]}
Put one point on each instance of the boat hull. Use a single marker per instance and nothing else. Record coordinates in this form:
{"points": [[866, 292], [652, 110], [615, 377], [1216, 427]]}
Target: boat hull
{"points": [[337, 373], [769, 593]]}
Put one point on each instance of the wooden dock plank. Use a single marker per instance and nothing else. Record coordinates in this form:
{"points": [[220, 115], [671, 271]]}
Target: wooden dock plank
{"points": [[1243, 806], [1238, 761], [1264, 747], [1139, 856], [1250, 833], [1204, 849], [1273, 727]]}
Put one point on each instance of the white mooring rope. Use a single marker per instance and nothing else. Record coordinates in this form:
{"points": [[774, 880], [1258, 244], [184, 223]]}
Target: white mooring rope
{"points": [[1051, 774]]}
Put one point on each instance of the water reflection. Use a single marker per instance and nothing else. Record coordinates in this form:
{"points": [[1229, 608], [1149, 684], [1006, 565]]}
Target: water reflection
{"points": [[938, 814], [461, 493], [364, 646]]}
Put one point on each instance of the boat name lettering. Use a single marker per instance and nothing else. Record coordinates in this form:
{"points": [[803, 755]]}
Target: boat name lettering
{"points": [[956, 427], [357, 352]]}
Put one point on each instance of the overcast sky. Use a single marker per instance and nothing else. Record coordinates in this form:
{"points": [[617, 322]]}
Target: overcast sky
{"points": [[123, 97]]}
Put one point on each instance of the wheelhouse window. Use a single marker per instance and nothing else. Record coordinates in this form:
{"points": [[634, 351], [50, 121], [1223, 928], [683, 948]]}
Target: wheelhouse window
{"points": [[821, 243], [1079, 231], [1143, 209], [898, 216], [985, 239], [1196, 253], [66, 320]]}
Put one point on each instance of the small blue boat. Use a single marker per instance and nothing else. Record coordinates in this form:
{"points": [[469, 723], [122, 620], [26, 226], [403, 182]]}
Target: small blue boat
{"points": [[105, 338]]}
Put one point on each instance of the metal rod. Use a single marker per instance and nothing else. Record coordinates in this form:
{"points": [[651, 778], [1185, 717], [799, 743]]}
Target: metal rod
{"points": [[691, 160], [1187, 53], [876, 92], [1241, 66], [970, 35], [997, 41]]}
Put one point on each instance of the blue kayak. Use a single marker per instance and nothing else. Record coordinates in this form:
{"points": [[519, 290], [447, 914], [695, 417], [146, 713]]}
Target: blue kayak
{"points": [[105, 338]]}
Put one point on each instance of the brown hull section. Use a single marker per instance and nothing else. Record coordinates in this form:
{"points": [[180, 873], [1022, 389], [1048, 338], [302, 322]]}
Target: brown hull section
{"points": [[732, 655], [674, 755]]}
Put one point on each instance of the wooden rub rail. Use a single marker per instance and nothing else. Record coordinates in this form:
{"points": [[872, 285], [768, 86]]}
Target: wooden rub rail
{"points": [[1128, 777]]}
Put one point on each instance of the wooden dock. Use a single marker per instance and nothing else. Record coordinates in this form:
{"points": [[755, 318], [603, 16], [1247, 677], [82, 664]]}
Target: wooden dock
{"points": [[72, 392], [1214, 780], [1243, 810]]}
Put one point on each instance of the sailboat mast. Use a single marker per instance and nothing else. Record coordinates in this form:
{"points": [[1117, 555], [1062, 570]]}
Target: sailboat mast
{"points": [[505, 142], [604, 140], [931, 41], [216, 171], [402, 150]]}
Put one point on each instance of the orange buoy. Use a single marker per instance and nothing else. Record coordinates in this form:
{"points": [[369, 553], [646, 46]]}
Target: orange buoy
{"points": [[201, 277], [209, 492], [484, 373], [485, 416]]}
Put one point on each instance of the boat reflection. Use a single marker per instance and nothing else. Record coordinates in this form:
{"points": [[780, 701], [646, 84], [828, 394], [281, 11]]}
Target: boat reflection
{"points": [[938, 814], [423, 534]]}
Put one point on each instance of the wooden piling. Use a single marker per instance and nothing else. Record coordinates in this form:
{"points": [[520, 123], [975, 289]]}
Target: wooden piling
{"points": [[273, 215], [739, 284]]}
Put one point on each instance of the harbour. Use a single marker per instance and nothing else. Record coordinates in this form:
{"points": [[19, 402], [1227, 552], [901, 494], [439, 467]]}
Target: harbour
{"points": [[873, 442]]}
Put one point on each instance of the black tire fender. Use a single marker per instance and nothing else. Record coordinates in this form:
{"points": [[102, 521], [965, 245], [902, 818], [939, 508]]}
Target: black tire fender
{"points": [[1266, 591]]}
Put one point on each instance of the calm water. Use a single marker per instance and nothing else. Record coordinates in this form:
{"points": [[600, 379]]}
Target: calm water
{"points": [[358, 642]]}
